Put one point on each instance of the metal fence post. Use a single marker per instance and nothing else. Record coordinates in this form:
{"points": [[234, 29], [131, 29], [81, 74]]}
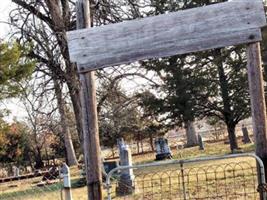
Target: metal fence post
{"points": [[108, 183], [65, 174], [261, 178]]}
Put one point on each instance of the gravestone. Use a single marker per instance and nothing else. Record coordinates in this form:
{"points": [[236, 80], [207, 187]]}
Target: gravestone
{"points": [[246, 138], [121, 144], [163, 150], [110, 165], [51, 174], [126, 180], [16, 172], [200, 142]]}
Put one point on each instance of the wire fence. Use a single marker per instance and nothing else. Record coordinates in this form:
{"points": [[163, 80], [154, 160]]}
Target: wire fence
{"points": [[40, 185], [227, 177], [223, 177]]}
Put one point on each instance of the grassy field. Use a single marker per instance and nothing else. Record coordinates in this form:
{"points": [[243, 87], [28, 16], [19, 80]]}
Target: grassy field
{"points": [[154, 183], [211, 149], [225, 179]]}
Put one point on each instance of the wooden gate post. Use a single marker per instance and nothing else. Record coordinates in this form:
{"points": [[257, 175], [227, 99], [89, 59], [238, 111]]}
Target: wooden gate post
{"points": [[257, 98], [92, 158]]}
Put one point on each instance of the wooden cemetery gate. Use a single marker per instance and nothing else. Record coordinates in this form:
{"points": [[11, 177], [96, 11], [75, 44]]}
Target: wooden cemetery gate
{"points": [[214, 26]]}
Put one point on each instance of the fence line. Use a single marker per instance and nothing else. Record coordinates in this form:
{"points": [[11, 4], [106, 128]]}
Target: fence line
{"points": [[45, 186], [182, 179]]}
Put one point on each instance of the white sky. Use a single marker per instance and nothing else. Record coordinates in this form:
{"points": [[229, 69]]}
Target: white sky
{"points": [[5, 7]]}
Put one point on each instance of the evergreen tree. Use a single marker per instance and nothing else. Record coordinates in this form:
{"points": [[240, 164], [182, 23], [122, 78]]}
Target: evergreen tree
{"points": [[219, 88], [182, 90], [206, 84], [228, 90], [14, 68]]}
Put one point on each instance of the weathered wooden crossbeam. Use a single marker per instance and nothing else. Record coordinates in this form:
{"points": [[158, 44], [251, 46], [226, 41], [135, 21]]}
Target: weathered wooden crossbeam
{"points": [[219, 25]]}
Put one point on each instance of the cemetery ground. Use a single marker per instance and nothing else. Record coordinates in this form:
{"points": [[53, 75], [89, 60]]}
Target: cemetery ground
{"points": [[26, 191]]}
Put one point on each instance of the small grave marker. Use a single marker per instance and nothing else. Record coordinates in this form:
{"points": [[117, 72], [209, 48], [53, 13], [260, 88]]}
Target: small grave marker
{"points": [[246, 138], [163, 150], [200, 143]]}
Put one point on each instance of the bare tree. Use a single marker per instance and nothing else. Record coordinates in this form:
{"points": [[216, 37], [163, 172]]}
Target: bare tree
{"points": [[39, 114], [71, 157], [31, 19]]}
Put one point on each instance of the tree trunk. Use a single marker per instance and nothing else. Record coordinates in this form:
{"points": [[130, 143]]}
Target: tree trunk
{"points": [[47, 157], [151, 142], [71, 157], [37, 151], [38, 159], [76, 103], [142, 145], [30, 162], [232, 137], [138, 147], [191, 136], [227, 113], [28, 156], [200, 143], [60, 22]]}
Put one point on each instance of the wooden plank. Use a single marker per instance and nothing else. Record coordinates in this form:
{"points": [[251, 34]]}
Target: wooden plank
{"points": [[205, 43], [91, 144], [257, 99], [191, 30]]}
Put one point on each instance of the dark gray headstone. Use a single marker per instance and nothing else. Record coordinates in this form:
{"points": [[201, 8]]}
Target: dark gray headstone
{"points": [[121, 144], [246, 138], [109, 165], [163, 150], [200, 142]]}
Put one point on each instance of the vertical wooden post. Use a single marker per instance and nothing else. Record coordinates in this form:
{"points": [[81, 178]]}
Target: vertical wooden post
{"points": [[92, 158], [257, 98]]}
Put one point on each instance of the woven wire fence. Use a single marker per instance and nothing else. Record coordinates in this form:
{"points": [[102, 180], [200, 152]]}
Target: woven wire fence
{"points": [[40, 185], [230, 177]]}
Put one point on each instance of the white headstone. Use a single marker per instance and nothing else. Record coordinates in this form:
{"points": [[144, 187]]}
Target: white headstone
{"points": [[16, 171], [126, 181]]}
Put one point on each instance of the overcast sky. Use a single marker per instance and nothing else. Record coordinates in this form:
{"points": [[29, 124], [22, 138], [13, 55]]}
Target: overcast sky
{"points": [[5, 7]]}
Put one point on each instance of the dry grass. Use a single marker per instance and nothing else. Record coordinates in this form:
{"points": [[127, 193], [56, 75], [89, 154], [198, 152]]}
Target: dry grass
{"points": [[228, 179], [27, 190], [210, 149]]}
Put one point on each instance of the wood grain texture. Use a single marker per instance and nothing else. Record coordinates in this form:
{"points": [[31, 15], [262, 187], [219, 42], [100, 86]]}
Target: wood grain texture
{"points": [[257, 98], [191, 30], [91, 144], [258, 105]]}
